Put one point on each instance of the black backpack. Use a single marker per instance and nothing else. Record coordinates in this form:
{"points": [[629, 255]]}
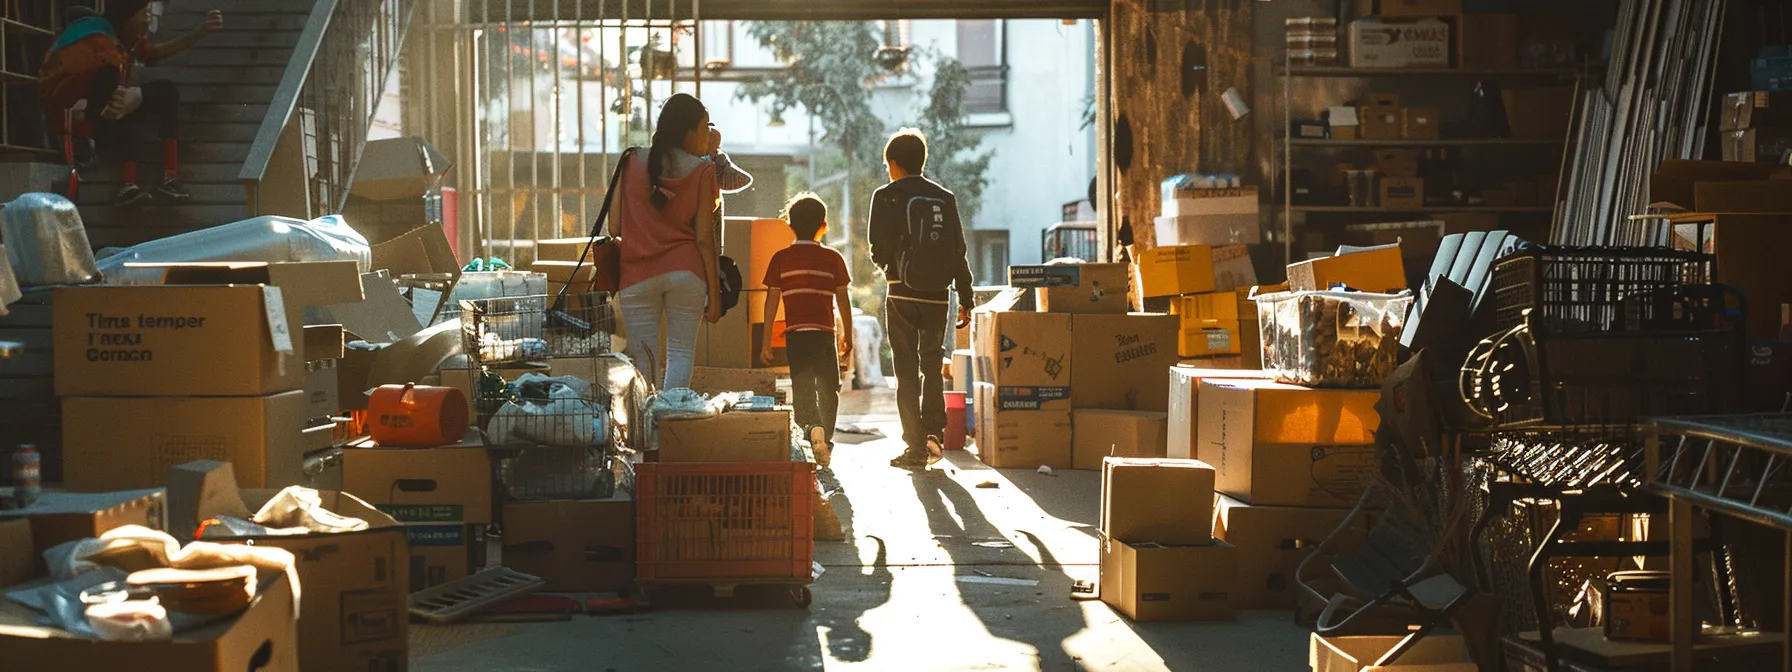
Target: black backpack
{"points": [[928, 246]]}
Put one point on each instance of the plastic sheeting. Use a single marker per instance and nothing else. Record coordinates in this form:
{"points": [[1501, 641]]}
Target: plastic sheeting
{"points": [[45, 241], [9, 284], [267, 238]]}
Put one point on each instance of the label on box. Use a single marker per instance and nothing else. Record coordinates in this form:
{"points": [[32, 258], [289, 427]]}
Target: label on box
{"points": [[1029, 398], [1045, 275], [1219, 339], [370, 615], [424, 513], [436, 535]]}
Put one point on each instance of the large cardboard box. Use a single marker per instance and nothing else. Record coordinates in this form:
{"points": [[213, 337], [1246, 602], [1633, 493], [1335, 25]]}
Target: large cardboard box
{"points": [[1753, 109], [1076, 288], [1210, 217], [1387, 43], [302, 284], [60, 517], [1376, 270], [1185, 407], [1157, 500], [1102, 433], [736, 436], [396, 168], [356, 589], [584, 545], [1151, 582], [1271, 542], [1023, 439], [1122, 361], [1173, 271], [118, 443], [263, 638], [173, 341], [440, 494], [1433, 653], [728, 343], [1282, 445], [1028, 350]]}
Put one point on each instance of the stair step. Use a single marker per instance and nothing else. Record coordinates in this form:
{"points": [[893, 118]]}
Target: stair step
{"points": [[238, 94], [104, 176], [177, 24], [185, 77], [100, 194], [245, 38], [221, 57], [215, 113], [123, 227]]}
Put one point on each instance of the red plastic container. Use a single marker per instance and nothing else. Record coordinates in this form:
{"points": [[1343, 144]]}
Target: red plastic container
{"points": [[416, 416], [955, 420], [724, 520]]}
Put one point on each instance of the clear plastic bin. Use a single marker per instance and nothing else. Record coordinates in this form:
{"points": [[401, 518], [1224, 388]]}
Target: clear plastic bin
{"points": [[1331, 339]]}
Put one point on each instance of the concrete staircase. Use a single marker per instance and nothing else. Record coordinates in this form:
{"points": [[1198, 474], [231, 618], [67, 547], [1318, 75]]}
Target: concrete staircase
{"points": [[226, 83]]}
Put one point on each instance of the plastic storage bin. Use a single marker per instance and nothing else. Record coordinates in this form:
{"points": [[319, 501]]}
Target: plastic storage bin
{"points": [[725, 522], [1331, 339]]}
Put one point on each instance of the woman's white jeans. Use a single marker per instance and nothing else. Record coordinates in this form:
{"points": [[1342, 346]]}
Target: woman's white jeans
{"points": [[681, 296]]}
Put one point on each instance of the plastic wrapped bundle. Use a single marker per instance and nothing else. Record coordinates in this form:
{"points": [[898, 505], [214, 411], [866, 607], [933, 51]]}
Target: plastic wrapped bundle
{"points": [[267, 238], [45, 241]]}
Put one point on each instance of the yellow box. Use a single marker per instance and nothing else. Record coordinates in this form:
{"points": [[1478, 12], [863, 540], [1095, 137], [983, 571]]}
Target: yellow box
{"points": [[1233, 305], [1207, 338], [1378, 270], [1173, 271]]}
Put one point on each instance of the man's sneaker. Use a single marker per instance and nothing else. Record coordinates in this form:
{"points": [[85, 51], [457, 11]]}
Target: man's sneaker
{"points": [[173, 191], [83, 152], [913, 460], [818, 442], [933, 449], [130, 194]]}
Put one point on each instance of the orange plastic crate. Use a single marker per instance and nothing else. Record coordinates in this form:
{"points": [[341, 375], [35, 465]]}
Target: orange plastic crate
{"points": [[724, 520]]}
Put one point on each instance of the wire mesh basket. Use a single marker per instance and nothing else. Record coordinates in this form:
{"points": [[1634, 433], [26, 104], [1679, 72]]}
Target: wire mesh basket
{"points": [[542, 410], [714, 520], [533, 328], [1520, 379], [1597, 289], [538, 473]]}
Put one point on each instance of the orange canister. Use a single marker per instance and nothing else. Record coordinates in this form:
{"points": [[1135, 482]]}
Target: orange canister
{"points": [[416, 416]]}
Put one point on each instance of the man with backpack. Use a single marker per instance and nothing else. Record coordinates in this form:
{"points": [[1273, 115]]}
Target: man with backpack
{"points": [[918, 242]]}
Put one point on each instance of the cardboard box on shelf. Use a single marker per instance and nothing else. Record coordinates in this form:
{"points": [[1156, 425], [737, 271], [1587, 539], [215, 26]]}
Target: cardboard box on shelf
{"points": [[1433, 653], [1210, 217], [1344, 122], [440, 494], [117, 443], [1184, 406], [1402, 192], [1755, 109], [1396, 162], [1272, 541], [711, 380], [1076, 288], [1022, 439], [1423, 8], [1487, 42], [60, 517], [263, 638], [1380, 123], [735, 436], [1376, 42], [1317, 444], [1100, 433], [1419, 123], [1027, 350], [1122, 361], [356, 612], [1173, 271], [1167, 501], [586, 545], [1153, 582], [1378, 269], [1757, 145]]}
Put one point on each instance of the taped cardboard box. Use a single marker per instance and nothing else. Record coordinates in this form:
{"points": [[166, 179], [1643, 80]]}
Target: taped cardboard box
{"points": [[117, 443], [1122, 361], [1100, 433], [1433, 653], [1173, 271], [735, 436], [150, 341], [1184, 406], [302, 284], [1076, 288], [1023, 439], [1271, 542], [586, 545], [1158, 500], [1153, 582], [61, 517], [441, 495], [1281, 445], [1392, 43], [263, 638], [356, 586], [1026, 349]]}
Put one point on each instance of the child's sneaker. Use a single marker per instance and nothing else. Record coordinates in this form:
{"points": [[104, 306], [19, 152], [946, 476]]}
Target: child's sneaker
{"points": [[933, 449], [130, 194], [818, 442], [173, 191]]}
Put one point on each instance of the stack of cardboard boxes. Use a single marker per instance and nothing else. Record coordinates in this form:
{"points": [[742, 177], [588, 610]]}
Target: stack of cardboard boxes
{"points": [[209, 365], [1757, 126], [443, 496], [1159, 558]]}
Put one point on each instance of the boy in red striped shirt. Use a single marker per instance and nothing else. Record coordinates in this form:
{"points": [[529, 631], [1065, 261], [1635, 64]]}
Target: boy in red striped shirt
{"points": [[811, 278]]}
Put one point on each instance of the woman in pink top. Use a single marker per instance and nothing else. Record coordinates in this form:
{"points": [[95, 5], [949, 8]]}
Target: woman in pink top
{"points": [[668, 208]]}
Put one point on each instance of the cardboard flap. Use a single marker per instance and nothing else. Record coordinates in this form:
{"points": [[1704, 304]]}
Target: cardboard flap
{"points": [[318, 283], [417, 356], [398, 168], [384, 316], [421, 251]]}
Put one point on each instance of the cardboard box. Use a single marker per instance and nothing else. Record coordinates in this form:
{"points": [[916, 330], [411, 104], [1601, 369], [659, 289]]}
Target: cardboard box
{"points": [[1487, 42], [1396, 162], [1420, 7], [173, 340], [735, 436], [1076, 288], [567, 273], [1210, 217], [1184, 405], [1271, 542], [324, 342], [1172, 271], [424, 250], [1150, 582], [1122, 361], [1433, 653], [323, 394], [302, 283], [1381, 123], [262, 638], [727, 343], [1210, 338], [1160, 500], [1377, 270], [1232, 305], [711, 380], [1635, 615], [427, 485], [1755, 109], [1027, 350], [1402, 192], [1757, 145], [1316, 444], [1232, 267], [18, 556], [1100, 433], [560, 249], [1420, 123], [396, 168], [356, 613], [1388, 43], [573, 545], [118, 443], [60, 517], [1024, 439]]}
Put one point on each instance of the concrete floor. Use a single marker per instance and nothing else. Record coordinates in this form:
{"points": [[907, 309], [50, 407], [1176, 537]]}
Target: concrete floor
{"points": [[910, 590]]}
